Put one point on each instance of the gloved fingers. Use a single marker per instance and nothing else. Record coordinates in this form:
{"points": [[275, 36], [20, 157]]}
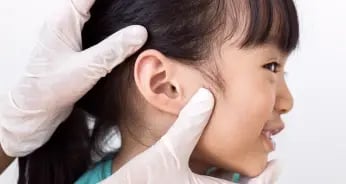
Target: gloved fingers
{"points": [[83, 6], [184, 134], [80, 71], [269, 176], [103, 57], [44, 56], [146, 167], [64, 24]]}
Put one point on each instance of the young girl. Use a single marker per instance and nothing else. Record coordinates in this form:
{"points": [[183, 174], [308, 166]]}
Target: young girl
{"points": [[235, 48]]}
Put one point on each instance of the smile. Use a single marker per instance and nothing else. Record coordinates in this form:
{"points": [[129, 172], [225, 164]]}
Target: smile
{"points": [[268, 133]]}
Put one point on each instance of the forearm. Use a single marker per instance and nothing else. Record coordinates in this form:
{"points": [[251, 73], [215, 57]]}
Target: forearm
{"points": [[5, 160]]}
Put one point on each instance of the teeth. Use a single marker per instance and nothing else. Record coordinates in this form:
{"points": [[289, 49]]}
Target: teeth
{"points": [[274, 143], [268, 134]]}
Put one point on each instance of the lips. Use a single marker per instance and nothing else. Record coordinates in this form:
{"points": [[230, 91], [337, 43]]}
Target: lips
{"points": [[271, 143], [270, 131]]}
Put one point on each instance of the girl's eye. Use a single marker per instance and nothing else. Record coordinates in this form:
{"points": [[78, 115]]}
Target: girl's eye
{"points": [[273, 67]]}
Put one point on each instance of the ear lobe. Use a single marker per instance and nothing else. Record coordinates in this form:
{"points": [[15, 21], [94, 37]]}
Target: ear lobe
{"points": [[155, 77]]}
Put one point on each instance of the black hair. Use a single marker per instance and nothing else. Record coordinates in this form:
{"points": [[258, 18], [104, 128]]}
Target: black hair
{"points": [[183, 29]]}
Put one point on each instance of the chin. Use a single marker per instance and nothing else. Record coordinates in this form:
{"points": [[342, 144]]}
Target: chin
{"points": [[253, 171], [251, 168]]}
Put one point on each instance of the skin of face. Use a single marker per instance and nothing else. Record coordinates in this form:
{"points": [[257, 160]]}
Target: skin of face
{"points": [[255, 94], [254, 97]]}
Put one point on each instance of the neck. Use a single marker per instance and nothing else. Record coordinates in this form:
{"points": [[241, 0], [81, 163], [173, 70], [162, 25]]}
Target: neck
{"points": [[133, 146]]}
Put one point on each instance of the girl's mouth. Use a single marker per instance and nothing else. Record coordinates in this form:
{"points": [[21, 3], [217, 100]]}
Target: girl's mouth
{"points": [[269, 140], [268, 133]]}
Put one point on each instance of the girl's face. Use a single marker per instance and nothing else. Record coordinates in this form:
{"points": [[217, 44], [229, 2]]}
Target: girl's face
{"points": [[247, 112]]}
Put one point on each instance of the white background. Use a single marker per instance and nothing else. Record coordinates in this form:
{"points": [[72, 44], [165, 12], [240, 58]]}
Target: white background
{"points": [[313, 145]]}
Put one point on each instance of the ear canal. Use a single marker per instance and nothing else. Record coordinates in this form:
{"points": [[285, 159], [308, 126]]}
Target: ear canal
{"points": [[160, 85], [173, 88], [167, 89]]}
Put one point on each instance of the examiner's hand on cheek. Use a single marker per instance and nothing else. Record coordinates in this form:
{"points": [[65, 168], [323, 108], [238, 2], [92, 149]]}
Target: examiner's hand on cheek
{"points": [[167, 161]]}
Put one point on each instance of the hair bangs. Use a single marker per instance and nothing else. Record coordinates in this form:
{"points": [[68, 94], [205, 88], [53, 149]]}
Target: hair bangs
{"points": [[268, 22]]}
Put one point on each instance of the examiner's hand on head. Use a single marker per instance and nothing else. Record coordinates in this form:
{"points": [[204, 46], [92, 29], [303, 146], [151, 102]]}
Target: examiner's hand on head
{"points": [[58, 75], [167, 161]]}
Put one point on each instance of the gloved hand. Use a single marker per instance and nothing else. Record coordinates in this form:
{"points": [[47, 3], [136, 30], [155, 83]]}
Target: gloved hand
{"points": [[58, 75], [167, 161]]}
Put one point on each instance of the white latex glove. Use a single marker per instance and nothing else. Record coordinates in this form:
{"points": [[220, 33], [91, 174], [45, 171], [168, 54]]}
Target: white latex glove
{"points": [[58, 75], [167, 161]]}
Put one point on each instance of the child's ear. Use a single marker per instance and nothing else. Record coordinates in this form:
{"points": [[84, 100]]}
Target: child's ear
{"points": [[156, 77], [165, 83]]}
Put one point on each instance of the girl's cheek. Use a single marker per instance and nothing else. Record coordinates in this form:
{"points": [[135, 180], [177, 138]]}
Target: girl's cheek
{"points": [[270, 92], [272, 79]]}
